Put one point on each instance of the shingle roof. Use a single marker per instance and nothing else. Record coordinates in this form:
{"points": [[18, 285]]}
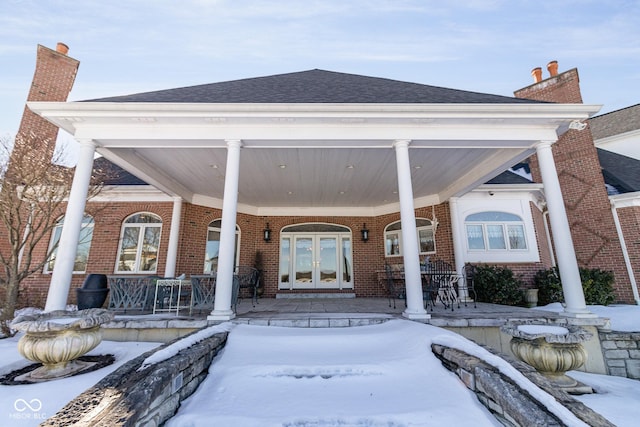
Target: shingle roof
{"points": [[615, 122], [316, 86], [620, 172], [508, 177], [113, 174]]}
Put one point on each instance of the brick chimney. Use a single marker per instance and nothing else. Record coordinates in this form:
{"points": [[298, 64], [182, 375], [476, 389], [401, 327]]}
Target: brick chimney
{"points": [[588, 209], [53, 79]]}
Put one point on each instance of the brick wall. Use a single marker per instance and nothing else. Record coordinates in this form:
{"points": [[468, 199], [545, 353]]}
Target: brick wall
{"points": [[629, 218], [587, 203]]}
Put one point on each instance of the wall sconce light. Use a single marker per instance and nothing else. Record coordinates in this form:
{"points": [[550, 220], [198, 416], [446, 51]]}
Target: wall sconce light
{"points": [[365, 233], [266, 233]]}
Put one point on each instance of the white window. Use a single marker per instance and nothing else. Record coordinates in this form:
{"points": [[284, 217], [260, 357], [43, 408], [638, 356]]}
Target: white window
{"points": [[495, 231], [84, 244], [393, 238], [213, 247], [139, 244]]}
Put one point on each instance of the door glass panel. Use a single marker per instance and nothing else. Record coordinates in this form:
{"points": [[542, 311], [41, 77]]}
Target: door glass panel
{"points": [[346, 259], [285, 255], [304, 259], [328, 256]]}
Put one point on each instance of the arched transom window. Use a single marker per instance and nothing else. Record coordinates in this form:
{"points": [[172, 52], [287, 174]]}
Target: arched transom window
{"points": [[139, 243], [393, 237]]}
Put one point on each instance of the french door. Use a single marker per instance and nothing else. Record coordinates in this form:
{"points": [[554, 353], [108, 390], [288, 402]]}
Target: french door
{"points": [[316, 261]]}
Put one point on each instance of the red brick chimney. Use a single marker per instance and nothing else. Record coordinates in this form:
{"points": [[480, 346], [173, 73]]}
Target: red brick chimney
{"points": [[53, 79], [592, 226]]}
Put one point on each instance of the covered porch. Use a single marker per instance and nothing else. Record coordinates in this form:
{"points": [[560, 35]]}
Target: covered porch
{"points": [[296, 146]]}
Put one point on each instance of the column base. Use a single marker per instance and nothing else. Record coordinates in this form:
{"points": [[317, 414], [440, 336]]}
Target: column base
{"points": [[221, 315], [582, 314], [420, 316]]}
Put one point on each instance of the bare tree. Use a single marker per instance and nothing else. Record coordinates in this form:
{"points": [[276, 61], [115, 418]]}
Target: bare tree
{"points": [[33, 196]]}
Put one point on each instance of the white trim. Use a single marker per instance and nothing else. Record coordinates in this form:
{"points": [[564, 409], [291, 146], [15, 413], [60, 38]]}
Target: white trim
{"points": [[626, 200], [131, 193], [620, 137]]}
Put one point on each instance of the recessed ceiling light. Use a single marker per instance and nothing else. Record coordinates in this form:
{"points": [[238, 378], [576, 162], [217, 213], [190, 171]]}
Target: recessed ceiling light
{"points": [[417, 167], [350, 166], [213, 166], [282, 166], [289, 192], [342, 192]]}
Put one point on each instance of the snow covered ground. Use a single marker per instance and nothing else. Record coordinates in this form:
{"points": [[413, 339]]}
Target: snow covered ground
{"points": [[362, 376], [31, 404]]}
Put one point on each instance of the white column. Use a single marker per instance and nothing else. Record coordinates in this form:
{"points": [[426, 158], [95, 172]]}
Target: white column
{"points": [[458, 247], [565, 252], [224, 281], [174, 238], [68, 243], [410, 249]]}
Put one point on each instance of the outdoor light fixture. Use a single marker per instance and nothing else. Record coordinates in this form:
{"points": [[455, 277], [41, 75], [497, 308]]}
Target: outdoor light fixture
{"points": [[266, 233], [365, 233]]}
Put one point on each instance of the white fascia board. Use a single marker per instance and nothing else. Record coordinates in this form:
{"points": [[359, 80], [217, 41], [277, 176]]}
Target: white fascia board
{"points": [[98, 117], [626, 200]]}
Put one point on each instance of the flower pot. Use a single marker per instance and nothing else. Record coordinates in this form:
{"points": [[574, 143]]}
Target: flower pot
{"points": [[95, 281], [531, 297], [56, 339], [91, 298]]}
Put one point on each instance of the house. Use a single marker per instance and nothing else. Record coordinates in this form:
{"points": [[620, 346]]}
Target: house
{"points": [[330, 176]]}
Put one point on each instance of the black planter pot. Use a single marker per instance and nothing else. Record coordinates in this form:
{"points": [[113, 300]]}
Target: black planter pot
{"points": [[95, 281], [91, 298], [93, 292]]}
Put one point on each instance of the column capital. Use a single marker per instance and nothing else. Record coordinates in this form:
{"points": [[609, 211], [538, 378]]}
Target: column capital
{"points": [[401, 143], [544, 144], [233, 142], [86, 142]]}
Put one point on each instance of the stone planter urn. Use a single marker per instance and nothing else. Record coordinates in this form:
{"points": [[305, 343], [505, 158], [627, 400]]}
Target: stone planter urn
{"points": [[531, 297], [551, 350], [56, 339]]}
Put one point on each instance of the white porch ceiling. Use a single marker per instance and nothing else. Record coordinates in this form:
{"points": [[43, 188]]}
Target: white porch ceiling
{"points": [[318, 158]]}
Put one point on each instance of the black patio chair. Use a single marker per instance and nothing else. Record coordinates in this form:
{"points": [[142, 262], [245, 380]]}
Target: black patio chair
{"points": [[466, 286], [395, 288], [443, 286], [249, 278]]}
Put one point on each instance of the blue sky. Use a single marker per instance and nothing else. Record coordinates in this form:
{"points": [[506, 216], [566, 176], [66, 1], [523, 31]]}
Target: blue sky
{"points": [[480, 45]]}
